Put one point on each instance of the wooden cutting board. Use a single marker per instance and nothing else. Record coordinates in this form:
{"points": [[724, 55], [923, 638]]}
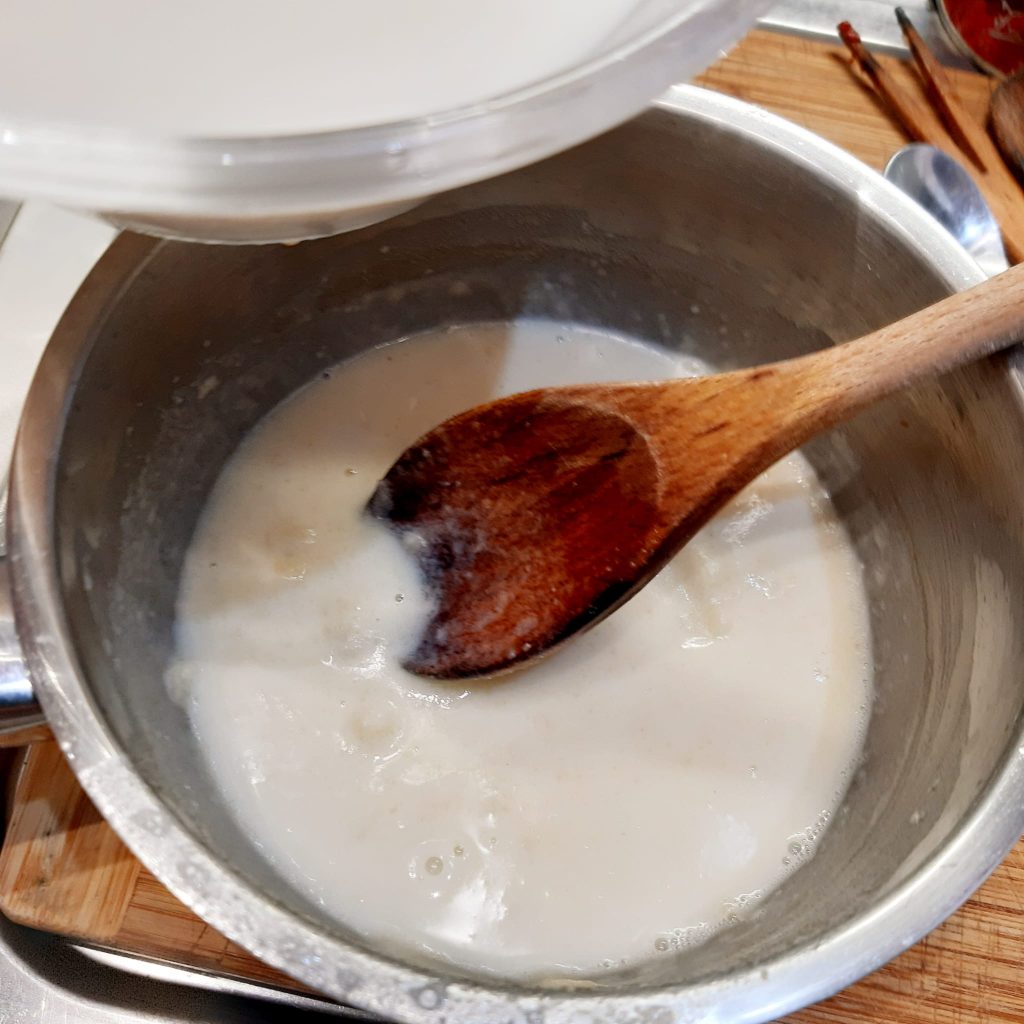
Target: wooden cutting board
{"points": [[62, 868]]}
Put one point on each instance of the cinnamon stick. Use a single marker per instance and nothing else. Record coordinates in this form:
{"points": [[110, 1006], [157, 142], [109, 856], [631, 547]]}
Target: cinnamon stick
{"points": [[921, 122], [969, 136], [987, 166], [910, 111]]}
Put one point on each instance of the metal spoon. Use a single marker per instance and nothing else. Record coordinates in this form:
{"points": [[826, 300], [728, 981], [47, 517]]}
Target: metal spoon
{"points": [[947, 191]]}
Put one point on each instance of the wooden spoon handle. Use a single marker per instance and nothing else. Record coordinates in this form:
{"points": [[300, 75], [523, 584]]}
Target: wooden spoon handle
{"points": [[840, 381]]}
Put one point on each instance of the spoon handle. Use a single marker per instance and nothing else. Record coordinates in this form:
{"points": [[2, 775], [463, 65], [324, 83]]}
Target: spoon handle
{"points": [[840, 381]]}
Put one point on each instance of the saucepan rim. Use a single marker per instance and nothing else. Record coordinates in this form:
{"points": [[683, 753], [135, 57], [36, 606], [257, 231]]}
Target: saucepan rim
{"points": [[371, 981]]}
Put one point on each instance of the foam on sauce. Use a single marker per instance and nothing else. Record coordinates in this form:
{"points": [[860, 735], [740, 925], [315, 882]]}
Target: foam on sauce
{"points": [[640, 788]]}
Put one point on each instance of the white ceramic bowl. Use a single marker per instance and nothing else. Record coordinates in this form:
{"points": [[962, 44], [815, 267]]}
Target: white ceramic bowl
{"points": [[289, 187]]}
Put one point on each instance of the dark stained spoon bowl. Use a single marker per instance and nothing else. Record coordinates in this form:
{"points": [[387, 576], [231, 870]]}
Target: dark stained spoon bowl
{"points": [[535, 516]]}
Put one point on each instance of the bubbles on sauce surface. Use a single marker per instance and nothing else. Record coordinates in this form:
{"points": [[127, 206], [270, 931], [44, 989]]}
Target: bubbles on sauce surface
{"points": [[801, 845]]}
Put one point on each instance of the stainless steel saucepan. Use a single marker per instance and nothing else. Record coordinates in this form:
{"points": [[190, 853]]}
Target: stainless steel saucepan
{"points": [[704, 224]]}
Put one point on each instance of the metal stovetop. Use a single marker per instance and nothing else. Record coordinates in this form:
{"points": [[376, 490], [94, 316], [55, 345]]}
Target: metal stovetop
{"points": [[46, 979], [873, 19]]}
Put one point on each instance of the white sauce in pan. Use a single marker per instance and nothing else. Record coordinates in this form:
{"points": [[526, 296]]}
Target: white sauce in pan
{"points": [[645, 785]]}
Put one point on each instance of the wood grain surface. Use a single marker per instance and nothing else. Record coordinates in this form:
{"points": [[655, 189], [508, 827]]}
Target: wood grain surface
{"points": [[73, 869], [62, 869], [811, 83]]}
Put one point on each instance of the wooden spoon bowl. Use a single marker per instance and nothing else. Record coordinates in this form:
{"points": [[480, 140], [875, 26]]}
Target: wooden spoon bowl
{"points": [[535, 516]]}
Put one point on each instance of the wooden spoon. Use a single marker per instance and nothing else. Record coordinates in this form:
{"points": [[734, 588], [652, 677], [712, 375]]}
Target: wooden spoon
{"points": [[535, 516]]}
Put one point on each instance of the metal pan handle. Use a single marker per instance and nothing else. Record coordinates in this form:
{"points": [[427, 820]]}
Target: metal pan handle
{"points": [[21, 720]]}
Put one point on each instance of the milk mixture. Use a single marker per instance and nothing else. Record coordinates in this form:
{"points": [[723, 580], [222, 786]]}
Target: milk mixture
{"points": [[253, 67], [646, 784]]}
